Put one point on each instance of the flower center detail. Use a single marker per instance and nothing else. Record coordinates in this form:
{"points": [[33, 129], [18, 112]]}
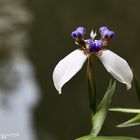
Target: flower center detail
{"points": [[91, 45]]}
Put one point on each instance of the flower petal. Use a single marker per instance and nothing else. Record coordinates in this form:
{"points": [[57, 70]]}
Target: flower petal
{"points": [[117, 67], [67, 68]]}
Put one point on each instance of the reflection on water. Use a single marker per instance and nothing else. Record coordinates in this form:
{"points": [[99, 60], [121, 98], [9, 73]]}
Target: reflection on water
{"points": [[19, 92], [15, 112]]}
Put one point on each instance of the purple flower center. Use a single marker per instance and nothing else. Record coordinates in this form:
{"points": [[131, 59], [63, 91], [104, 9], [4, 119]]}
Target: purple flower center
{"points": [[94, 46]]}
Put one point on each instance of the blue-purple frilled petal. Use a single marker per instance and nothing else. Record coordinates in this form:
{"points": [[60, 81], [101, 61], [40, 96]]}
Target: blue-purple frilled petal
{"points": [[99, 43], [94, 46], [74, 34], [106, 33], [110, 34], [102, 29], [78, 33], [89, 42]]}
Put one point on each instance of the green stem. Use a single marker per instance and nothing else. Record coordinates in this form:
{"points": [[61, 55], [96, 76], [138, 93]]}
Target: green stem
{"points": [[91, 85]]}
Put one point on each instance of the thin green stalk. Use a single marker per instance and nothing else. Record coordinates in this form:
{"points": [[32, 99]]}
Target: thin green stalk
{"points": [[91, 85]]}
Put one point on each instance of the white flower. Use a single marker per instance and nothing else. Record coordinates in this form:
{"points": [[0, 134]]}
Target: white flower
{"points": [[72, 63]]}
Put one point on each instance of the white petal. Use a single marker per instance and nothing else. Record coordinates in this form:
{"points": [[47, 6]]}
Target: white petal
{"points": [[67, 68], [117, 66], [93, 35]]}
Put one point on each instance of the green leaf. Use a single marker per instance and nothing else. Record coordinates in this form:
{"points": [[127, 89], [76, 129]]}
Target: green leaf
{"points": [[89, 137], [125, 110], [132, 122], [102, 109], [137, 87], [91, 85]]}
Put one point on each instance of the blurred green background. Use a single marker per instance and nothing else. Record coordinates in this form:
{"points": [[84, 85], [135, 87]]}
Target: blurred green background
{"points": [[67, 116]]}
